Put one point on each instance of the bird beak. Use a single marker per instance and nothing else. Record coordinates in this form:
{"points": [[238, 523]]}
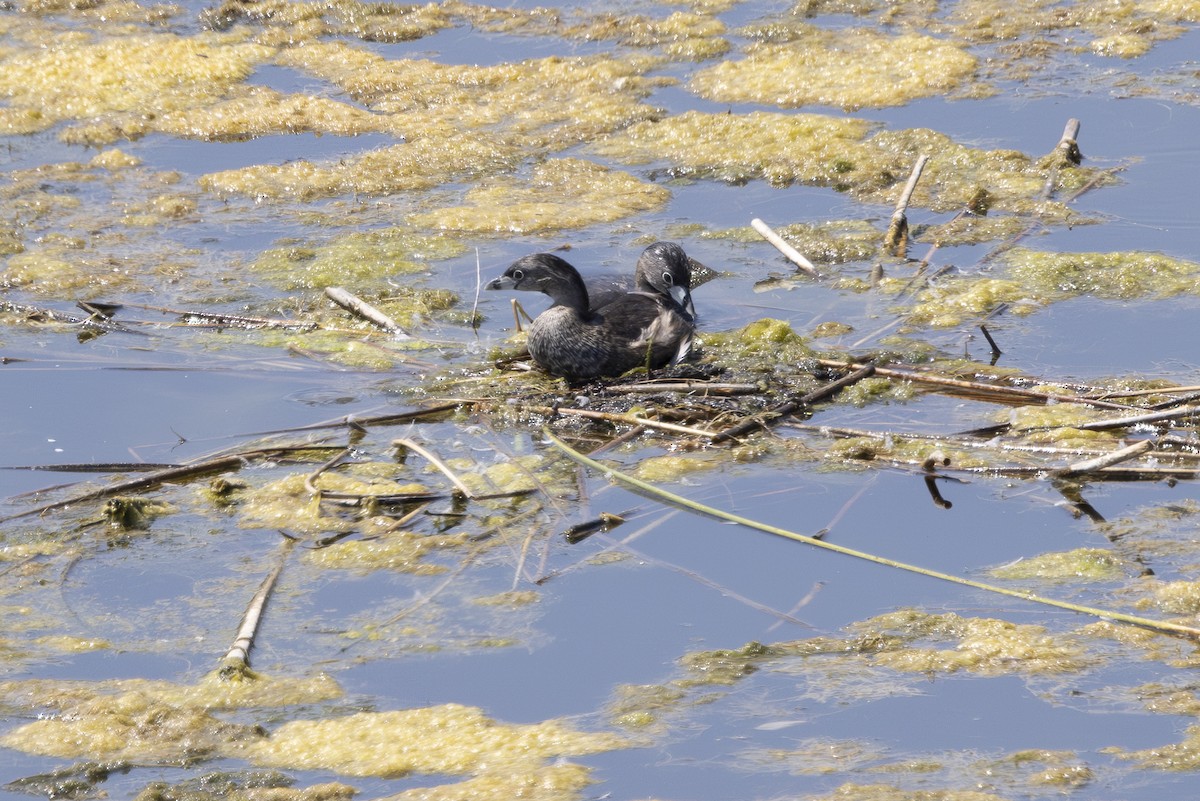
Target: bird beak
{"points": [[503, 282], [683, 297]]}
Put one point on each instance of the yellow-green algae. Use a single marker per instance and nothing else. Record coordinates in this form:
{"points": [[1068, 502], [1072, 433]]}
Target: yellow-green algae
{"points": [[826, 242], [985, 646], [781, 148], [681, 35], [75, 76], [449, 739], [1055, 424], [1181, 756], [147, 721], [287, 502], [1035, 279], [1081, 564], [418, 165], [641, 706], [355, 259], [547, 103], [558, 782], [903, 640], [885, 792], [1037, 768], [908, 450], [767, 337], [1120, 275], [375, 22], [837, 152], [852, 68], [218, 787], [1178, 597], [559, 194]]}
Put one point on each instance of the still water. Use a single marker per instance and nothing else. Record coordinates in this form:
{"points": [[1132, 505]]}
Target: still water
{"points": [[624, 607]]}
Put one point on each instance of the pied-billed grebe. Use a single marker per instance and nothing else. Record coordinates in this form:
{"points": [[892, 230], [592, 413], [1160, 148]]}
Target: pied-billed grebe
{"points": [[577, 342], [664, 269]]}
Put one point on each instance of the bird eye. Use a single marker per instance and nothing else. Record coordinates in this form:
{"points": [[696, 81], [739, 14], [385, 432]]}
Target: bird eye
{"points": [[668, 279], [517, 275]]}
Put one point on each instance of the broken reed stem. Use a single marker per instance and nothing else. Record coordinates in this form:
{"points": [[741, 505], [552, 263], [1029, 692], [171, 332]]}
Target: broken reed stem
{"points": [[895, 242], [237, 660], [356, 305], [1068, 146], [794, 405], [1107, 460], [1012, 393], [793, 255], [432, 458], [231, 319], [1164, 627]]}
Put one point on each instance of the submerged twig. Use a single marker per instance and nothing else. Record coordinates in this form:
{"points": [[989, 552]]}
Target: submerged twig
{"points": [[356, 305], [237, 660], [1164, 627], [793, 255]]}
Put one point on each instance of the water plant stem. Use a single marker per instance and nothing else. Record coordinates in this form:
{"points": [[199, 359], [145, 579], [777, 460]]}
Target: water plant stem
{"points": [[1162, 626]]}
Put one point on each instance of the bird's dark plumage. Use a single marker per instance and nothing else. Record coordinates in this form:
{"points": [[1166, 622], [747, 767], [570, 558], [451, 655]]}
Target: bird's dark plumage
{"points": [[577, 341]]}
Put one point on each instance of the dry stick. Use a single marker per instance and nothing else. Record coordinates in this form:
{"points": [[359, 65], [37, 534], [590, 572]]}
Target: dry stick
{"points": [[1014, 393], [237, 660], [1165, 627], [365, 310], [895, 241], [232, 319], [1140, 419], [1107, 460], [783, 247], [793, 405]]}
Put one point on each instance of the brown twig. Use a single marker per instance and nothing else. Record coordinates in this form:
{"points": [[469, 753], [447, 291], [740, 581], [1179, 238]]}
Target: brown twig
{"points": [[793, 405]]}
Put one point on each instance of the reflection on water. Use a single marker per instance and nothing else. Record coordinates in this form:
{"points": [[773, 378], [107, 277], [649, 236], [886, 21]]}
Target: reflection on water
{"points": [[623, 607]]}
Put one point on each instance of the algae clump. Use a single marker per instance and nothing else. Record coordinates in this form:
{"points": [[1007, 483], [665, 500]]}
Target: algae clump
{"points": [[354, 259], [73, 77], [850, 68], [449, 739], [1081, 564], [559, 194]]}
